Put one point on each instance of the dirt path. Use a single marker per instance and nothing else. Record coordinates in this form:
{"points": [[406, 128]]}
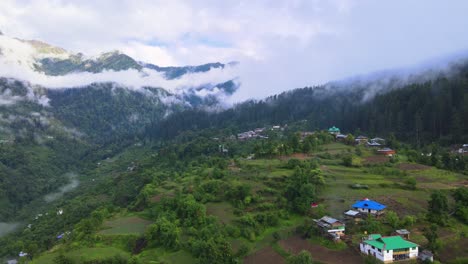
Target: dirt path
{"points": [[296, 244]]}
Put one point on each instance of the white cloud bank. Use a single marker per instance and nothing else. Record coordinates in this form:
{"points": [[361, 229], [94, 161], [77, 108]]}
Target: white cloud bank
{"points": [[281, 44]]}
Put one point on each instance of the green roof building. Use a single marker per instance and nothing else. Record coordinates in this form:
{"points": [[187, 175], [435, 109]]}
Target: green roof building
{"points": [[334, 130], [389, 249]]}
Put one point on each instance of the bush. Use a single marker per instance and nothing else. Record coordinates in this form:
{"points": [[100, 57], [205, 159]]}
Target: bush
{"points": [[303, 257], [347, 160]]}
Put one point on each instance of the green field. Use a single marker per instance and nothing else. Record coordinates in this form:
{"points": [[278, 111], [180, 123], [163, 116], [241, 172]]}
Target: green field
{"points": [[84, 254], [125, 226]]}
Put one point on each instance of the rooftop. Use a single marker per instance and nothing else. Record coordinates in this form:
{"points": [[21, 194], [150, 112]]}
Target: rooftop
{"points": [[402, 231], [390, 243], [334, 129], [329, 220], [385, 149], [369, 204], [351, 213]]}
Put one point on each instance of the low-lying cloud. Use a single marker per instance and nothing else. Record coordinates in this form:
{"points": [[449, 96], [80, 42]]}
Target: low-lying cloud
{"points": [[132, 79]]}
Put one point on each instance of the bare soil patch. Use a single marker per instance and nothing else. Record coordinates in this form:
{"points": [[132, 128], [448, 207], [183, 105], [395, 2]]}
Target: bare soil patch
{"points": [[393, 205], [157, 198], [299, 156], [378, 159], [296, 244], [412, 166], [265, 255], [454, 250]]}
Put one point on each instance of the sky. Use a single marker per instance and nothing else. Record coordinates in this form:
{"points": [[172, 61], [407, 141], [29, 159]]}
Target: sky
{"points": [[281, 45]]}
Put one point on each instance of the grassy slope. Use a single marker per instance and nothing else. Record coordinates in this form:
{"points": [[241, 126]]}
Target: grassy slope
{"points": [[337, 197]]}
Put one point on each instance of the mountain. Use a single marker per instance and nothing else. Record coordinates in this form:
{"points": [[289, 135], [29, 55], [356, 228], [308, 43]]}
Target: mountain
{"points": [[61, 111], [127, 94]]}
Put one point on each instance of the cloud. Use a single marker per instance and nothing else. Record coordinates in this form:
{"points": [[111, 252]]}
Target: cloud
{"points": [[281, 44], [132, 79]]}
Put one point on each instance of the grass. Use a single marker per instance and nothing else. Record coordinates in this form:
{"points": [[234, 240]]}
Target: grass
{"points": [[223, 211], [83, 254], [159, 255], [328, 243], [128, 225]]}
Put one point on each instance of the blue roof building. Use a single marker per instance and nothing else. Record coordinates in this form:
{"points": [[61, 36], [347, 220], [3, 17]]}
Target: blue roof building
{"points": [[369, 207]]}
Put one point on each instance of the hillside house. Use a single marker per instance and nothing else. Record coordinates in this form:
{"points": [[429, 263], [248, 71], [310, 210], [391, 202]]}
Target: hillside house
{"points": [[371, 144], [386, 152], [381, 141], [426, 255], [367, 206], [352, 215], [331, 227], [403, 233], [246, 135], [334, 130], [361, 140], [388, 249], [305, 134], [340, 137]]}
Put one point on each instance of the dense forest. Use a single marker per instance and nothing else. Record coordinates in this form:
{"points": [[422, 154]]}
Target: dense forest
{"points": [[418, 113]]}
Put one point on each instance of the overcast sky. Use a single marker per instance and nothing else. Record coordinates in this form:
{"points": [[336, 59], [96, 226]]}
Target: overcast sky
{"points": [[280, 45]]}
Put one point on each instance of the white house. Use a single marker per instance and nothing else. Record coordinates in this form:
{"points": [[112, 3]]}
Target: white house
{"points": [[389, 249]]}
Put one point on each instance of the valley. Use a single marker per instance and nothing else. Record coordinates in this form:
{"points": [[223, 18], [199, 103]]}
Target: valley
{"points": [[108, 159]]}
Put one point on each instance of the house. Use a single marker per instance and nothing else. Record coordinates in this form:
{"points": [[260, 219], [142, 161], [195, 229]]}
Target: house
{"points": [[389, 249], [259, 130], [464, 148], [373, 144], [403, 233], [246, 135], [305, 134], [387, 152], [366, 206], [381, 141], [334, 130], [426, 255], [361, 140], [352, 215], [331, 227], [340, 137]]}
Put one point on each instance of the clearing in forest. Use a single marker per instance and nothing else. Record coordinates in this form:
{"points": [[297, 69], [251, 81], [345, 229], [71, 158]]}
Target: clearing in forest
{"points": [[125, 226]]}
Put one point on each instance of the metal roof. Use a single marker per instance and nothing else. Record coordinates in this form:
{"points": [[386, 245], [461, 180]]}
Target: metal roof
{"points": [[390, 243], [369, 204], [351, 213]]}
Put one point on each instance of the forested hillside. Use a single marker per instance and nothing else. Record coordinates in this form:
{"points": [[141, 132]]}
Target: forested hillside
{"points": [[419, 113]]}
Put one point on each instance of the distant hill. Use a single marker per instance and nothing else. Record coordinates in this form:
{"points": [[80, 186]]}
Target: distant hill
{"points": [[419, 108]]}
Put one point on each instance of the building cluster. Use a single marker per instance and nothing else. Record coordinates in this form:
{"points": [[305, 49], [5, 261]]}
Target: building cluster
{"points": [[258, 132], [396, 247], [377, 142]]}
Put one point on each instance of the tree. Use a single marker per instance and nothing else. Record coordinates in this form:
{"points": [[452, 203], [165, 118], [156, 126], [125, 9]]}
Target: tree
{"points": [[411, 183], [213, 250], [433, 239], [392, 219], [371, 225], [303, 257], [347, 160], [438, 208], [349, 140], [409, 221], [164, 232]]}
